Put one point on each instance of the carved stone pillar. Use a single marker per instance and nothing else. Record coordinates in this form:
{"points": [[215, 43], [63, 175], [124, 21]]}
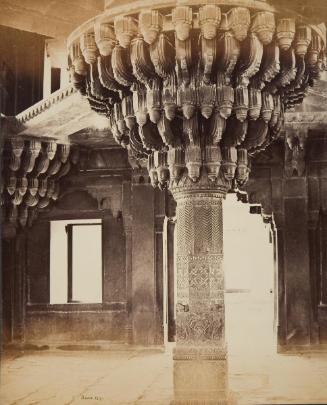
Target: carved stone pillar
{"points": [[314, 257], [128, 250], [159, 274], [200, 360], [169, 243]]}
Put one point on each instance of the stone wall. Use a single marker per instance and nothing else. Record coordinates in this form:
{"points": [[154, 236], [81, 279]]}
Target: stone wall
{"points": [[132, 214], [290, 183]]}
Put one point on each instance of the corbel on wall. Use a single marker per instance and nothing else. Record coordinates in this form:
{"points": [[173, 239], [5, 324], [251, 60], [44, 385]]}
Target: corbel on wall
{"points": [[32, 173]]}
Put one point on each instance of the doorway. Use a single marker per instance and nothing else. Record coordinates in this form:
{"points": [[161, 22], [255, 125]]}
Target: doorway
{"points": [[250, 278]]}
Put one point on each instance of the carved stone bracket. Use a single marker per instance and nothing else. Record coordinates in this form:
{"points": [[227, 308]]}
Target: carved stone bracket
{"points": [[189, 90], [32, 171]]}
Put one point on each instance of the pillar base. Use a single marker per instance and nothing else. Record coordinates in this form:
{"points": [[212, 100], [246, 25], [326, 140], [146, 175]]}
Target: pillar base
{"points": [[200, 381], [200, 375]]}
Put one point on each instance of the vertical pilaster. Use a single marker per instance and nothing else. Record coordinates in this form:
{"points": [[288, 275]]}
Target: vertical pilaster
{"points": [[170, 265], [19, 288], [317, 195], [314, 255], [297, 271], [7, 285], [322, 277], [143, 264], [159, 276], [323, 253], [127, 218], [128, 238], [114, 260], [295, 313], [38, 263], [281, 311], [148, 212]]}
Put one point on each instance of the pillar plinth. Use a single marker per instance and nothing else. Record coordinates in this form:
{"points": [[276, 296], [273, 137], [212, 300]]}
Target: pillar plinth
{"points": [[200, 357]]}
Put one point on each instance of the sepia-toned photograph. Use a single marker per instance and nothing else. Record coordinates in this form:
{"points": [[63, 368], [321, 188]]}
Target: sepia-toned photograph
{"points": [[163, 202]]}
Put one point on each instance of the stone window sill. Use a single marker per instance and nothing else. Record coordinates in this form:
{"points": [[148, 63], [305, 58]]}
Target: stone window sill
{"points": [[76, 307]]}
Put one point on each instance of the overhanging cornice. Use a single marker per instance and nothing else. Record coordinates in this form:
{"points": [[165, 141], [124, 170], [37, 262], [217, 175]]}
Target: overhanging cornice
{"points": [[57, 117]]}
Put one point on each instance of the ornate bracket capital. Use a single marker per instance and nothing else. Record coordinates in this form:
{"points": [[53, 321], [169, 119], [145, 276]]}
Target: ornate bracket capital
{"points": [[193, 90], [32, 170]]}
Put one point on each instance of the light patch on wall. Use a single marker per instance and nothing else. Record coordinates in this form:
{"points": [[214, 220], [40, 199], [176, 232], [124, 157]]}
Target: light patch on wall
{"points": [[248, 254], [86, 261], [100, 122], [249, 284]]}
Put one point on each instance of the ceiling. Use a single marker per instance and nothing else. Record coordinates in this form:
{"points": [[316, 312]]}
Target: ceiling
{"points": [[52, 18]]}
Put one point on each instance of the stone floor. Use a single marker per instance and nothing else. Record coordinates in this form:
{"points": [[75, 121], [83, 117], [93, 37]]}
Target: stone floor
{"points": [[257, 374], [145, 377]]}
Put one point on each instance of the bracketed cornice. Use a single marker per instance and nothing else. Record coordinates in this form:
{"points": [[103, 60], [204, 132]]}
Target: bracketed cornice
{"points": [[195, 88]]}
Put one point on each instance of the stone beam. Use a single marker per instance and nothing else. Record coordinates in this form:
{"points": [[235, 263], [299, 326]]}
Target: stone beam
{"points": [[305, 120]]}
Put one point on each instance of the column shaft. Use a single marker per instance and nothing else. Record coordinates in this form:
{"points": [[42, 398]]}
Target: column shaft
{"points": [[200, 366]]}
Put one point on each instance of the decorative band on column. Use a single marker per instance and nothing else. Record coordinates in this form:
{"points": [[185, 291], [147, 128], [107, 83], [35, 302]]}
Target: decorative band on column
{"points": [[200, 321]]}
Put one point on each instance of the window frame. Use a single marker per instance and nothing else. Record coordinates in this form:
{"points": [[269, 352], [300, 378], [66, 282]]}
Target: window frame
{"points": [[72, 219], [69, 233]]}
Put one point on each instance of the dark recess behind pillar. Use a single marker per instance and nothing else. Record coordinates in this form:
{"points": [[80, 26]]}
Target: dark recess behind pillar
{"points": [[21, 66]]}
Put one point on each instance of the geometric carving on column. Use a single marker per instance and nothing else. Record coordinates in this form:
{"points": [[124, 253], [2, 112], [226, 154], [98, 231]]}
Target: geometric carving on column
{"points": [[200, 358], [200, 281]]}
